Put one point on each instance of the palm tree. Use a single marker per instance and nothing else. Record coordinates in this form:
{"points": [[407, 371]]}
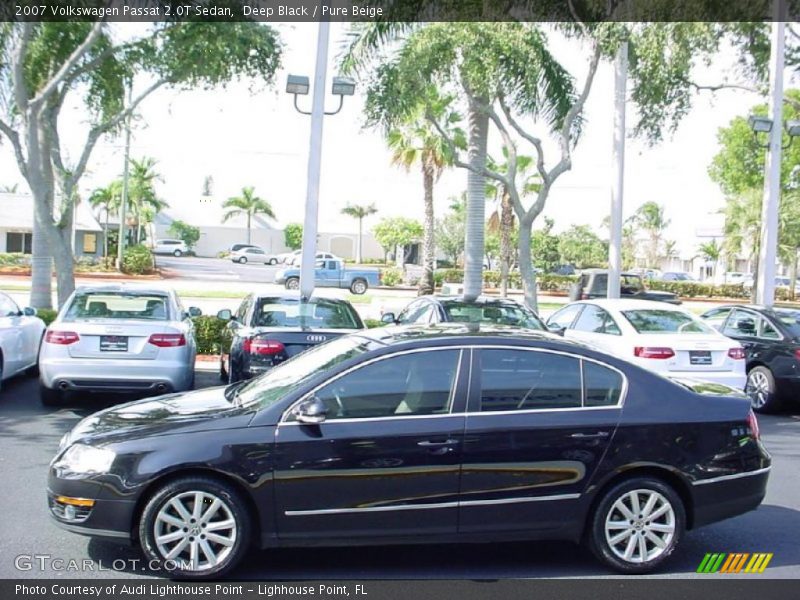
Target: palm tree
{"points": [[9, 189], [710, 252], [650, 217], [107, 199], [743, 228], [416, 142], [359, 212], [143, 202], [247, 204]]}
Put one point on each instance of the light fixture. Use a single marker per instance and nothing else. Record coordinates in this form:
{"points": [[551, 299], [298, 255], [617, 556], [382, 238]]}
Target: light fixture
{"points": [[343, 86], [297, 84], [760, 124], [792, 128]]}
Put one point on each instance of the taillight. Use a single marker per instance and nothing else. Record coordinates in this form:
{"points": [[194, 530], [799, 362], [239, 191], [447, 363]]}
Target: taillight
{"points": [[584, 296], [62, 338], [736, 353], [263, 347], [797, 354], [167, 340], [752, 423], [653, 352]]}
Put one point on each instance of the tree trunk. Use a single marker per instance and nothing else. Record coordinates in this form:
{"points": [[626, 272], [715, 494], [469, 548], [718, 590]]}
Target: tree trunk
{"points": [[358, 249], [506, 225], [105, 237], [426, 283], [248, 227], [526, 265], [793, 275], [42, 191], [476, 199]]}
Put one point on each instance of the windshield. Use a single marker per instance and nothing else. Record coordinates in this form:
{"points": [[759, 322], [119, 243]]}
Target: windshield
{"points": [[317, 313], [497, 314], [664, 321], [121, 305], [790, 319], [275, 383]]}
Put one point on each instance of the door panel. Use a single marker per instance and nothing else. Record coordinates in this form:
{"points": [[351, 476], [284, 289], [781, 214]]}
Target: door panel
{"points": [[387, 459]]}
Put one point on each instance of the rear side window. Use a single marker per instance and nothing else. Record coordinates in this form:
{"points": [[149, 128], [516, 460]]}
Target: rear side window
{"points": [[90, 305], [602, 386], [527, 380]]}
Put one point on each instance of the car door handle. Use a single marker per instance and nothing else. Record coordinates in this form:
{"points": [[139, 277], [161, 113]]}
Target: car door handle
{"points": [[586, 436], [434, 443]]}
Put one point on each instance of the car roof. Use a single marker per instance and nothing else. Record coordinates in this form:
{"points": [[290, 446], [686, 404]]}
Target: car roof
{"points": [[756, 307], [631, 304], [474, 332], [479, 301], [123, 288], [296, 297]]}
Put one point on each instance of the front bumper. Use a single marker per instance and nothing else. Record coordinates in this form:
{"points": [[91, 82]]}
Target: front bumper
{"points": [[84, 374], [106, 518]]}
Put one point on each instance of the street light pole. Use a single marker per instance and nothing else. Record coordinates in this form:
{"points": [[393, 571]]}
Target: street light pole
{"points": [[765, 285], [615, 225], [123, 209], [307, 261]]}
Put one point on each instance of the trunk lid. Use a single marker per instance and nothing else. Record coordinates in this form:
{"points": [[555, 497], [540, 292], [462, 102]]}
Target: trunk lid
{"points": [[115, 339]]}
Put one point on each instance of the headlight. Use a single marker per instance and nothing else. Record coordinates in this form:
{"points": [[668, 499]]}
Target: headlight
{"points": [[84, 460]]}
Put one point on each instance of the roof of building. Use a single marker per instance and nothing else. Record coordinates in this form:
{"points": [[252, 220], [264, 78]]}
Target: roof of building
{"points": [[16, 212]]}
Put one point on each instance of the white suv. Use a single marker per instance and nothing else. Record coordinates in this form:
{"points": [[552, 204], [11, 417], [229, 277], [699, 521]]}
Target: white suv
{"points": [[174, 247]]}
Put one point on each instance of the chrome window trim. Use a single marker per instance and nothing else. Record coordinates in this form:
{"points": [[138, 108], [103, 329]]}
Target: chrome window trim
{"points": [[456, 504], [732, 477], [451, 400]]}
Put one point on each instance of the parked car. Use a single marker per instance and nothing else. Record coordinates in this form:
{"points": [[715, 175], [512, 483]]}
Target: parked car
{"points": [[331, 273], [594, 284], [781, 281], [250, 254], [677, 276], [118, 338], [297, 256], [174, 247], [268, 329], [432, 310], [564, 270], [416, 434], [288, 257], [771, 340], [737, 277], [657, 336], [237, 247], [20, 336]]}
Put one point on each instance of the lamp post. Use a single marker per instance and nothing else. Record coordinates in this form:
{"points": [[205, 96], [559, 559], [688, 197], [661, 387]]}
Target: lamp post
{"points": [[615, 224], [298, 85]]}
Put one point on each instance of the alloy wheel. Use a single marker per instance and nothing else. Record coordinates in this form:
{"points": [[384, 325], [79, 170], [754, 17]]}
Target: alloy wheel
{"points": [[640, 526], [757, 388], [195, 529]]}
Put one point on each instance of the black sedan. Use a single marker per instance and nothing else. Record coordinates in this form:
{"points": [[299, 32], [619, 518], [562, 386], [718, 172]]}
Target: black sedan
{"points": [[432, 310], [771, 341], [410, 435], [268, 329]]}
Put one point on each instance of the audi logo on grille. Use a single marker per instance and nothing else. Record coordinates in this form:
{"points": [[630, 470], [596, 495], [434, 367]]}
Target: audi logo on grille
{"points": [[316, 338]]}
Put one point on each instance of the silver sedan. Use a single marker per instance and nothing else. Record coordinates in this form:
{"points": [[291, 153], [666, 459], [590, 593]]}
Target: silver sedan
{"points": [[118, 338], [20, 334]]}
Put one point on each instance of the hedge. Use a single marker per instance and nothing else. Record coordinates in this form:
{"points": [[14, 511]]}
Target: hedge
{"points": [[138, 260], [546, 282], [696, 289], [208, 333], [48, 315]]}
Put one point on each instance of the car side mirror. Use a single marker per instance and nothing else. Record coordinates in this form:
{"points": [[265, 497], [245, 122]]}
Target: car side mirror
{"points": [[29, 311], [388, 318], [225, 315], [311, 411], [555, 328], [194, 311]]}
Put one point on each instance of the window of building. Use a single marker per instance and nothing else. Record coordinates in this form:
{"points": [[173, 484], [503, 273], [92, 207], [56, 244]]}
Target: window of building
{"points": [[90, 243], [19, 242]]}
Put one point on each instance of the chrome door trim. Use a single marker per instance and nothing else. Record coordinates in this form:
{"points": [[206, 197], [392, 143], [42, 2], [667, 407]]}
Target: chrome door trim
{"points": [[732, 477]]}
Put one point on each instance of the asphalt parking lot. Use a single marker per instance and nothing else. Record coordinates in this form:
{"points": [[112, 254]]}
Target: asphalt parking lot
{"points": [[29, 436]]}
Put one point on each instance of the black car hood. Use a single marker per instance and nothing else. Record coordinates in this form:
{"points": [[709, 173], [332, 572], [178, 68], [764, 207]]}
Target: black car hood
{"points": [[202, 410]]}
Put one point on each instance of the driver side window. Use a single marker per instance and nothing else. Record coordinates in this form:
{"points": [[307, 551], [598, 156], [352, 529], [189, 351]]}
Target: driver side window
{"points": [[528, 380], [418, 383]]}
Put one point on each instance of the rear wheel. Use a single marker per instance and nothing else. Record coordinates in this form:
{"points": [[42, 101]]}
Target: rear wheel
{"points": [[223, 373], [293, 283], [177, 253], [199, 525], [637, 525], [760, 387], [358, 287], [273, 261], [50, 397], [242, 260]]}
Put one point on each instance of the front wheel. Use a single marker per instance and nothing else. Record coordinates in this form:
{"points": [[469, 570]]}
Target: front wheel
{"points": [[273, 262], [293, 283], [196, 526], [761, 389], [177, 254], [637, 525], [358, 287], [242, 260]]}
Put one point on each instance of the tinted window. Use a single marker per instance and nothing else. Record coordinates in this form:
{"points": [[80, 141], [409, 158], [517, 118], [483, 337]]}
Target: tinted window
{"points": [[498, 313], [741, 324], [596, 320], [665, 321], [790, 319], [8, 308], [716, 318], [524, 380], [318, 313], [630, 284], [603, 386], [105, 305], [410, 384], [241, 313], [565, 316], [768, 331]]}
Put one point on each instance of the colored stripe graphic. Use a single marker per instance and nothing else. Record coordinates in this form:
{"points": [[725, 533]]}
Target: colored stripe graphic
{"points": [[722, 562]]}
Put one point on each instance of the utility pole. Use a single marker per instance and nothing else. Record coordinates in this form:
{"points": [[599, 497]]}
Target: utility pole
{"points": [[123, 209], [765, 284], [617, 184]]}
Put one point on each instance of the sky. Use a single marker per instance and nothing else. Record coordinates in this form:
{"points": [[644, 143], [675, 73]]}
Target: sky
{"points": [[244, 138]]}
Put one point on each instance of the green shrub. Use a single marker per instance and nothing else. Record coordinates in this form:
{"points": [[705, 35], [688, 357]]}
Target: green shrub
{"points": [[138, 260], [373, 323], [14, 259], [48, 315], [699, 289], [208, 333], [391, 276]]}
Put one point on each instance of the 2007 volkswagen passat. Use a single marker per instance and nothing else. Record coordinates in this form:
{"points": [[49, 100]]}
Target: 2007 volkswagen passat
{"points": [[409, 435]]}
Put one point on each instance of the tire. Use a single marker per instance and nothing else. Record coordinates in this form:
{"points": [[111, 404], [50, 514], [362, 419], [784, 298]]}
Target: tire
{"points": [[154, 526], [223, 374], [667, 527], [293, 283], [761, 389], [359, 287], [50, 397], [242, 260], [177, 254], [273, 262]]}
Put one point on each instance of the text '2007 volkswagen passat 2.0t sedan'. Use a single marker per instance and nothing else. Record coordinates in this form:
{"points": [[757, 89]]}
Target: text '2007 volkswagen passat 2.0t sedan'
{"points": [[416, 434]]}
